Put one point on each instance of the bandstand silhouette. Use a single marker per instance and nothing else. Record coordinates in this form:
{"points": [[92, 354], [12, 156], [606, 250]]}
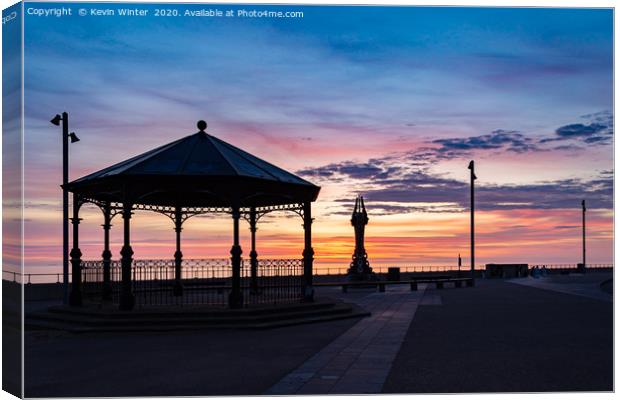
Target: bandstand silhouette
{"points": [[195, 175]]}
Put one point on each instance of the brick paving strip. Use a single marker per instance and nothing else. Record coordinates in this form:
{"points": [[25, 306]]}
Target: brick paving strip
{"points": [[359, 360]]}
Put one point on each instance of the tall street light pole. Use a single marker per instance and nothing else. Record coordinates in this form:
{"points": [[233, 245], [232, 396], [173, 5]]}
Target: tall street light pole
{"points": [[66, 136], [472, 177], [583, 235]]}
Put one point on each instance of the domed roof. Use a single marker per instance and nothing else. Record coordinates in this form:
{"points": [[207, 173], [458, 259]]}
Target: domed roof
{"points": [[197, 170]]}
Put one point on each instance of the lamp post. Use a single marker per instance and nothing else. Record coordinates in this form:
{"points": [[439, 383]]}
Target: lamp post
{"points": [[472, 178], [66, 136], [583, 235]]}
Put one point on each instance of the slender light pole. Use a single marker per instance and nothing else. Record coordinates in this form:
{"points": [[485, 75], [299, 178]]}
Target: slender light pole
{"points": [[65, 197], [472, 177], [583, 235]]}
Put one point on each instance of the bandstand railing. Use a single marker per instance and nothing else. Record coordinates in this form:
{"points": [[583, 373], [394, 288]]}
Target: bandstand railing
{"points": [[279, 281], [204, 281]]}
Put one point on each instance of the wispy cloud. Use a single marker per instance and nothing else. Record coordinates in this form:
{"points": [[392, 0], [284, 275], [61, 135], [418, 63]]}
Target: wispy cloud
{"points": [[498, 139], [598, 131], [398, 187]]}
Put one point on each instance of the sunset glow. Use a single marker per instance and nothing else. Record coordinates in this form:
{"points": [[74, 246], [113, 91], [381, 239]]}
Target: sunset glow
{"points": [[370, 104]]}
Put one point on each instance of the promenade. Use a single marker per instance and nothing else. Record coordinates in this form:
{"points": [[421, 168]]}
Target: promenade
{"points": [[549, 334], [523, 335]]}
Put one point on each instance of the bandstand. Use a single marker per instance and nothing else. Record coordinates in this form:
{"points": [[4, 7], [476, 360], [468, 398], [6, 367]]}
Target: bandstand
{"points": [[195, 175]]}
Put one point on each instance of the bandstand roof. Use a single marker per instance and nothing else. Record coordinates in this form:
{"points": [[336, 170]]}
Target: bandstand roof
{"points": [[198, 170]]}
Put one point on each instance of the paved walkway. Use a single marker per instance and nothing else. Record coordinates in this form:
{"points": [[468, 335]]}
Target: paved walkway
{"points": [[205, 362], [507, 337], [588, 285], [360, 359], [495, 337]]}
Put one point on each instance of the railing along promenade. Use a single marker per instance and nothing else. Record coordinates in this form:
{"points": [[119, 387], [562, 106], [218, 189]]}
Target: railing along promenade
{"points": [[56, 277], [323, 271]]}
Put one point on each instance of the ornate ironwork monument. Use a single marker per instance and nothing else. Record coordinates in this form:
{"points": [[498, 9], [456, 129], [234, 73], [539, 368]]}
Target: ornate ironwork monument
{"points": [[360, 267]]}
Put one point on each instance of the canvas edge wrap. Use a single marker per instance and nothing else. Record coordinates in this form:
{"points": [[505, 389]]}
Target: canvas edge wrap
{"points": [[12, 200]]}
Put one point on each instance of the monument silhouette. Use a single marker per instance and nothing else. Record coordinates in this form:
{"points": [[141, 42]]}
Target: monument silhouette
{"points": [[360, 267]]}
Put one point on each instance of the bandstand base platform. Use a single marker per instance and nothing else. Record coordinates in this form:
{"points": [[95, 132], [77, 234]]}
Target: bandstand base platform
{"points": [[101, 318]]}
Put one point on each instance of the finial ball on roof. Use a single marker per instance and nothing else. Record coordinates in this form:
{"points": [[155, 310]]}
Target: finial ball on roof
{"points": [[202, 125]]}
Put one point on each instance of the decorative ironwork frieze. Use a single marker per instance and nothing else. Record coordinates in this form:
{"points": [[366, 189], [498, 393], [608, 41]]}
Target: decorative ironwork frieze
{"points": [[116, 208]]}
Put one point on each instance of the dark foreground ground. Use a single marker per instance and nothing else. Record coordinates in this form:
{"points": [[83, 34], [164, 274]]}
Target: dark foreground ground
{"points": [[504, 337], [495, 337], [166, 364]]}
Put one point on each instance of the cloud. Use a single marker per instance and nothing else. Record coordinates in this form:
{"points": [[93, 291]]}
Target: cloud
{"points": [[349, 169], [377, 208], [568, 147], [557, 194], [578, 130], [394, 186], [426, 189], [598, 131], [403, 182], [498, 139]]}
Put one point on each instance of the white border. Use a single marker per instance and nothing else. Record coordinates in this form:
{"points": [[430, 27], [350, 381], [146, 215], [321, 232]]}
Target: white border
{"points": [[469, 3]]}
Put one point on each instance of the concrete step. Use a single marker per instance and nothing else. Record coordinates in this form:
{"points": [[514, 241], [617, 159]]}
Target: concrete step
{"points": [[83, 322], [187, 318], [72, 328], [112, 311]]}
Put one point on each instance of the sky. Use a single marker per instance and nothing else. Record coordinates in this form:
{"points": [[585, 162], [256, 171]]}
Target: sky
{"points": [[11, 133], [387, 102]]}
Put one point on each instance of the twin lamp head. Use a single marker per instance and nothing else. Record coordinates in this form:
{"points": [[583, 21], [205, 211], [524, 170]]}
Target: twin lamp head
{"points": [[56, 121]]}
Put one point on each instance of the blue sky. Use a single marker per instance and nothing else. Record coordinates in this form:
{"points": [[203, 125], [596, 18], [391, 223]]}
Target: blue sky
{"points": [[509, 66], [11, 143], [387, 72]]}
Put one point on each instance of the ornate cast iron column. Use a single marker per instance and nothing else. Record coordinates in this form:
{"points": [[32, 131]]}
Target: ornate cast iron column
{"points": [[359, 269], [253, 254], [75, 298], [127, 298], [235, 299], [178, 256], [308, 253], [107, 254]]}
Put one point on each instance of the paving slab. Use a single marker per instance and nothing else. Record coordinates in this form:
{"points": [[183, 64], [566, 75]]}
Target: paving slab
{"points": [[190, 363], [506, 337], [359, 360], [586, 285]]}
